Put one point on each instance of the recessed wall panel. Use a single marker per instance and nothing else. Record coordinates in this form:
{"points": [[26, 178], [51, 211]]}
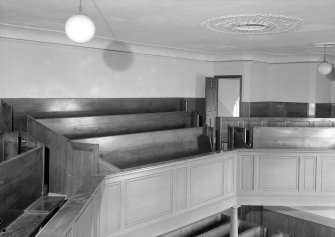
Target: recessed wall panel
{"points": [[206, 182], [278, 173], [148, 197]]}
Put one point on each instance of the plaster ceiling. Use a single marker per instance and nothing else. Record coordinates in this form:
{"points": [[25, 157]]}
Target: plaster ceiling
{"points": [[176, 23]]}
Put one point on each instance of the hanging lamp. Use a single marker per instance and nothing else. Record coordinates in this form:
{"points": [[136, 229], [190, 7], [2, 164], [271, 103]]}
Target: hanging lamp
{"points": [[80, 28], [324, 67]]}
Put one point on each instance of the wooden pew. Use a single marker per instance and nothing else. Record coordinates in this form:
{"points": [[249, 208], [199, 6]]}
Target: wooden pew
{"points": [[294, 137], [97, 126], [62, 107], [21, 183], [127, 151], [258, 231]]}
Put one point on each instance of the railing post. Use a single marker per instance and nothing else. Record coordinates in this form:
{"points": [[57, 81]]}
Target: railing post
{"points": [[234, 221]]}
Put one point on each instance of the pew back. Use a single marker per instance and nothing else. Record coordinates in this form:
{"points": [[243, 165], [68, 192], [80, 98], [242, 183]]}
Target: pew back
{"points": [[61, 107], [127, 151], [21, 183], [294, 137], [108, 125]]}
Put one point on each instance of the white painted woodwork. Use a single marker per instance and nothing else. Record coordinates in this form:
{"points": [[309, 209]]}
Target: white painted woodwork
{"points": [[136, 198], [206, 182], [278, 173], [83, 226], [247, 172], [286, 177], [180, 184], [111, 202], [229, 175], [156, 199], [327, 173], [234, 222], [308, 173], [148, 197]]}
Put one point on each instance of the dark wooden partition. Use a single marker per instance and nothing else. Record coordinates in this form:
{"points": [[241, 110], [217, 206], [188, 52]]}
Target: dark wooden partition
{"points": [[66, 162], [249, 123], [57, 108], [294, 138], [126, 151], [21, 183], [82, 163], [6, 117], [108, 125]]}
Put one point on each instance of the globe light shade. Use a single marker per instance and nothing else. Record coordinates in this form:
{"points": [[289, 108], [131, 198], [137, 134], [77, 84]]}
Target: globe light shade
{"points": [[80, 28], [325, 68]]}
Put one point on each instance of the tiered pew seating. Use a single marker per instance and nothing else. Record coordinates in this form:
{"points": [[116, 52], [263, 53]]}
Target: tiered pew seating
{"points": [[108, 125], [127, 151]]}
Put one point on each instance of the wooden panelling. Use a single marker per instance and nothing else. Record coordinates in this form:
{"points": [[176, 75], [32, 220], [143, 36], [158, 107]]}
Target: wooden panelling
{"points": [[21, 183], [55, 154], [82, 162], [247, 172], [67, 162], [294, 137], [206, 182], [286, 177], [148, 197], [229, 175], [6, 117], [180, 184], [69, 234], [126, 151], [97, 126], [57, 108], [10, 145], [294, 226], [251, 122], [111, 212], [308, 173], [327, 174], [138, 198], [278, 173], [83, 226], [2, 148]]}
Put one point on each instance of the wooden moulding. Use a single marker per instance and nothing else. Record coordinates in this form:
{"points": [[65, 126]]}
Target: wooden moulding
{"points": [[59, 107], [108, 125]]}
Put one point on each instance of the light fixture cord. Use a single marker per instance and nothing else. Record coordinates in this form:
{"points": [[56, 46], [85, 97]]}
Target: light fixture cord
{"points": [[80, 8], [324, 53]]}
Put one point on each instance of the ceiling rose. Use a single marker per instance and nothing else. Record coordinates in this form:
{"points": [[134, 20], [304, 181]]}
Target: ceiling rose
{"points": [[253, 24]]}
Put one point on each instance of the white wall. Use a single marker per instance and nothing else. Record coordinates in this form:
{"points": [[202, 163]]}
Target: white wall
{"points": [[41, 70], [282, 82], [31, 69]]}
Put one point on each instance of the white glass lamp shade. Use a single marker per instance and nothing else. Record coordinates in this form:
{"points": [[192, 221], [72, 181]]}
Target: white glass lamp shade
{"points": [[80, 28], [325, 68]]}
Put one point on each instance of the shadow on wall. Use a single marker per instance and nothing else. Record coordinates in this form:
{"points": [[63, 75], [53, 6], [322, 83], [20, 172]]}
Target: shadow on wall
{"points": [[118, 56], [331, 75]]}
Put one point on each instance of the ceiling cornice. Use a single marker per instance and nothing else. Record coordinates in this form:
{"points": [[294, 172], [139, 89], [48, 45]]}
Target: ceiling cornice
{"points": [[59, 38]]}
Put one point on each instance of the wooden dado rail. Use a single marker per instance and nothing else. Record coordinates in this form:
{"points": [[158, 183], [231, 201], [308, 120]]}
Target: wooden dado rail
{"points": [[159, 198]]}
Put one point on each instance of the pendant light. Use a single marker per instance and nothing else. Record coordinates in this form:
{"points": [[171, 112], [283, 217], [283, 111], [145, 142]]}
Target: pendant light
{"points": [[80, 28], [324, 67]]}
